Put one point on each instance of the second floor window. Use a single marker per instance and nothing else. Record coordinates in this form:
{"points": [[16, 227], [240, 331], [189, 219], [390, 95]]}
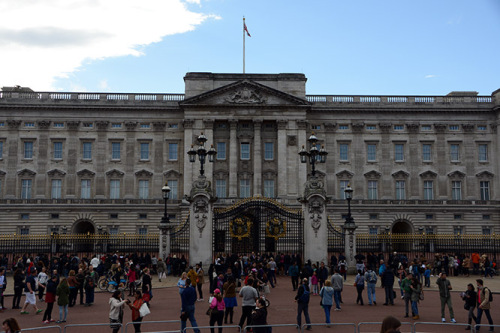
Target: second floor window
{"points": [[116, 150], [26, 188], [56, 189], [1, 149], [221, 150], [144, 151], [484, 188], [344, 152], [456, 190], [173, 151], [85, 189], [269, 188], [268, 151], [220, 188], [372, 190], [28, 149], [343, 185], [245, 151], [400, 190], [143, 189], [483, 153], [426, 152], [371, 152], [174, 189], [399, 152], [58, 150], [244, 188], [87, 150], [114, 189], [428, 190], [455, 152]]}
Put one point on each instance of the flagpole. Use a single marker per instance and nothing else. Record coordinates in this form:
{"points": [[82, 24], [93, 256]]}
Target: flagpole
{"points": [[243, 44]]}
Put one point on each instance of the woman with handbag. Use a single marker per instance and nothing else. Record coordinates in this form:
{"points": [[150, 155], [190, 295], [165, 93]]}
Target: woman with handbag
{"points": [[470, 297], [230, 299], [136, 310], [217, 307]]}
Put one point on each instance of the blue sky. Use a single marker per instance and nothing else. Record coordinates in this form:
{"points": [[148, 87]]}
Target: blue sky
{"points": [[343, 47]]}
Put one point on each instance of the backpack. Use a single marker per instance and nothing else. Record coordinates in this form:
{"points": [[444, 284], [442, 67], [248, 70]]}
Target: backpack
{"points": [[90, 281], [490, 299], [304, 298], [372, 278]]}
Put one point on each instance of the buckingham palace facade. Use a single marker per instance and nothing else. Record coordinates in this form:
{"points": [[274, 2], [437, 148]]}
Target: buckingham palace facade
{"points": [[96, 162]]}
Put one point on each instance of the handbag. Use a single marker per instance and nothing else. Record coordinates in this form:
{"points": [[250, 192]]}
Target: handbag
{"points": [[144, 310], [212, 311], [466, 306]]}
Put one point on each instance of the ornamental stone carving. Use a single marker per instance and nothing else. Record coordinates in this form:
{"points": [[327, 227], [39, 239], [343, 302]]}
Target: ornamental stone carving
{"points": [[313, 186], [357, 127], [301, 124], [385, 127], [440, 128], [43, 124], [282, 124], [13, 124], [413, 128], [316, 208], [188, 123], [246, 96], [102, 125], [200, 207], [130, 125], [468, 128], [200, 186], [159, 125], [73, 124], [292, 140]]}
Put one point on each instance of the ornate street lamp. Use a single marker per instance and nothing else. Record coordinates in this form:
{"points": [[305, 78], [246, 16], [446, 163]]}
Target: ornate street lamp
{"points": [[349, 221], [314, 155], [202, 153], [165, 190]]}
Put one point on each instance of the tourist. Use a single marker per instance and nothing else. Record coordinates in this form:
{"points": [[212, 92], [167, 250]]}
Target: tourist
{"points": [[470, 298], [90, 283], [135, 307], [162, 268], [116, 304], [314, 284], [191, 274], [484, 298], [18, 288], [249, 295], [200, 280], [62, 293], [10, 325], [302, 299], [326, 294], [181, 283], [405, 286], [217, 315], [147, 286], [42, 283], [322, 275], [73, 290], [259, 317], [80, 278], [50, 298], [230, 299], [390, 325], [293, 272], [388, 284], [359, 283], [188, 298], [445, 296], [337, 285], [371, 282], [343, 268], [29, 290], [132, 277], [3, 286], [416, 290]]}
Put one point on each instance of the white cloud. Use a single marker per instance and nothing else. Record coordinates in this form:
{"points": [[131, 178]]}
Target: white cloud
{"points": [[430, 76], [103, 84], [41, 40]]}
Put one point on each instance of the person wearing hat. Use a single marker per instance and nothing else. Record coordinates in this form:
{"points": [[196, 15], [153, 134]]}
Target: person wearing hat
{"points": [[218, 305], [30, 292], [302, 299]]}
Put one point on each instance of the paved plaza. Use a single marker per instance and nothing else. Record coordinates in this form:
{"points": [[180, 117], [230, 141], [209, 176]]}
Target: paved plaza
{"points": [[166, 305]]}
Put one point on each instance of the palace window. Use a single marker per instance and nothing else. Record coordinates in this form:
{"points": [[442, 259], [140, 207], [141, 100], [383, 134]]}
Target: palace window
{"points": [[484, 188], [372, 190], [114, 189], [399, 152], [85, 189], [371, 127], [483, 152], [268, 151], [455, 152], [220, 188], [456, 190], [174, 189], [58, 125], [1, 149], [58, 150], [371, 152], [116, 150], [481, 127], [143, 189], [221, 150], [87, 150], [29, 124], [173, 151], [116, 125], [343, 185], [26, 185], [144, 147], [428, 190], [245, 188], [245, 150], [56, 189], [344, 152], [426, 152], [399, 127], [426, 127], [269, 188], [28, 149], [400, 190], [454, 127]]}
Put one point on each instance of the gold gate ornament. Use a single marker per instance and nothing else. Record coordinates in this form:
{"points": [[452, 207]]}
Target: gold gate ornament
{"points": [[276, 228], [240, 227]]}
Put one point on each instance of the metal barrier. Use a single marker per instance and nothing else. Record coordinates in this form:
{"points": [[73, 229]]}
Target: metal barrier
{"points": [[379, 324], [207, 327], [156, 322], [42, 328], [90, 325], [484, 325], [422, 323], [271, 325], [303, 328]]}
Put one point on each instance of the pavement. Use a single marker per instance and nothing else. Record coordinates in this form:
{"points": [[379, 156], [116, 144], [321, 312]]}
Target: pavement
{"points": [[165, 306]]}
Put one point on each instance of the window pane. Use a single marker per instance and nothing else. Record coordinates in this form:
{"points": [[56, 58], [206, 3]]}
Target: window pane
{"points": [[426, 152], [244, 188], [28, 149], [87, 150], [400, 190], [372, 190], [174, 189], [399, 152], [115, 150], [455, 152], [173, 151], [56, 188], [485, 190], [220, 188], [371, 152], [343, 186], [221, 150], [269, 188], [26, 189], [344, 152], [483, 153], [143, 189], [268, 151], [428, 190], [85, 189], [245, 151], [1, 149], [114, 190], [456, 190], [144, 151], [58, 150]]}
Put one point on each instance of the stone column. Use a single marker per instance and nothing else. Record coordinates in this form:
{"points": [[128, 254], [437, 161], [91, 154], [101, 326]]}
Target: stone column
{"points": [[99, 155], [302, 167], [165, 231], [72, 148], [257, 158], [41, 187], [282, 162], [350, 247], [12, 187], [201, 222], [188, 167], [315, 221], [233, 159]]}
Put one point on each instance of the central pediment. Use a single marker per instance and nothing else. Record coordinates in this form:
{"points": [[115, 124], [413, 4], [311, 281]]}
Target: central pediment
{"points": [[244, 93]]}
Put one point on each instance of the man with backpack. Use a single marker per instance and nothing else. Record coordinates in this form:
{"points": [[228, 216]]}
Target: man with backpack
{"points": [[302, 299], [371, 282], [484, 299]]}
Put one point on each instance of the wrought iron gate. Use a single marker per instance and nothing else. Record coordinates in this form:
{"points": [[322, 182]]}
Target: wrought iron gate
{"points": [[258, 225]]}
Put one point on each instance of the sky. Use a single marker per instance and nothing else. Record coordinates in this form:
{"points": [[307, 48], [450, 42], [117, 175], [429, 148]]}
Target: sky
{"points": [[358, 47]]}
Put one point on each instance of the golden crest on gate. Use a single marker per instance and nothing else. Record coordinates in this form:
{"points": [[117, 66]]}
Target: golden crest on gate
{"points": [[276, 228], [240, 227]]}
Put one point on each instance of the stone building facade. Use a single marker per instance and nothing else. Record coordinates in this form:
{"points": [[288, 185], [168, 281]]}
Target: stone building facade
{"points": [[96, 162]]}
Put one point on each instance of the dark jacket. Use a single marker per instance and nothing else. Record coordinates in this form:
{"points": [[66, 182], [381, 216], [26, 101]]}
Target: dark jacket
{"points": [[470, 298], [300, 292], [259, 317], [188, 297], [388, 277]]}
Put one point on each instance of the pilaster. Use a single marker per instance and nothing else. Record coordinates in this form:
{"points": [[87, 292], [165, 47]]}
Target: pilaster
{"points": [[233, 159], [257, 158]]}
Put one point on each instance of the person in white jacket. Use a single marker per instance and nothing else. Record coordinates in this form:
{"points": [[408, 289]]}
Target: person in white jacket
{"points": [[116, 305]]}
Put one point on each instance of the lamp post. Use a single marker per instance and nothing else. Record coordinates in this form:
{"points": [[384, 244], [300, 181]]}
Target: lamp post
{"points": [[314, 155], [349, 221], [165, 190], [349, 228], [202, 153]]}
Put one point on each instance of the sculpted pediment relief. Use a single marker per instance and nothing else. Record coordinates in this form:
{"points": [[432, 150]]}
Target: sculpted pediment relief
{"points": [[26, 172], [143, 173], [56, 172], [428, 174], [114, 173], [85, 173], [484, 174], [244, 93], [345, 174]]}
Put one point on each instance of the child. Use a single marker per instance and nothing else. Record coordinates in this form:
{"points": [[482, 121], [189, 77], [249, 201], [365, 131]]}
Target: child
{"points": [[314, 284], [121, 288], [427, 275]]}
